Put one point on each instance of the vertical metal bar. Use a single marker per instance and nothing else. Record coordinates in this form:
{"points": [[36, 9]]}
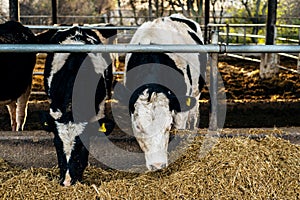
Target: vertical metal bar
{"points": [[244, 35], [298, 63], [271, 22], [213, 123], [54, 11], [14, 10], [268, 66], [227, 34], [206, 21], [150, 10]]}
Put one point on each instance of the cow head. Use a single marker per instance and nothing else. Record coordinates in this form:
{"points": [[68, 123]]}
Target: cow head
{"points": [[151, 123], [71, 152], [152, 108]]}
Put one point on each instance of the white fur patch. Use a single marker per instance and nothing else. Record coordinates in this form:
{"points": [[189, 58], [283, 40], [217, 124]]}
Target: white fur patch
{"points": [[99, 62], [56, 115], [67, 133], [151, 122], [69, 40], [58, 62], [67, 181], [91, 39], [59, 59]]}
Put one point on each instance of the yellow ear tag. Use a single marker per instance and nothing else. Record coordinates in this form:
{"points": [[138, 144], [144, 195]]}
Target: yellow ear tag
{"points": [[102, 128], [45, 124], [188, 102]]}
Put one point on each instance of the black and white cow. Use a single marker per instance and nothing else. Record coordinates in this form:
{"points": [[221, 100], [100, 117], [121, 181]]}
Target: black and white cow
{"points": [[16, 72], [164, 87], [61, 70]]}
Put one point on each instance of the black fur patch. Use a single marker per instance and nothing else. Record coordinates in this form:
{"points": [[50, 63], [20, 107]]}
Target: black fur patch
{"points": [[16, 68], [177, 103], [107, 33], [203, 63], [173, 103], [189, 23], [77, 34], [195, 38], [188, 71]]}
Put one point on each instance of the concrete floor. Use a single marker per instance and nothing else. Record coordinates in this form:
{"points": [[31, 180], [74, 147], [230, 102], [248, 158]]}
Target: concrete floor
{"points": [[35, 148]]}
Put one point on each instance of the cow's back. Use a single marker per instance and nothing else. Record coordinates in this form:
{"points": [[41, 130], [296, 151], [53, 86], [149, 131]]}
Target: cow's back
{"points": [[16, 68]]}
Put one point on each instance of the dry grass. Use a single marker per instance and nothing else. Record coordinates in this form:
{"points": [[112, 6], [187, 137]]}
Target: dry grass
{"points": [[236, 168]]}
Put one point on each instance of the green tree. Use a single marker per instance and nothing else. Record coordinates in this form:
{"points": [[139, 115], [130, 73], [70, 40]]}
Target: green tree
{"points": [[190, 8], [65, 8]]}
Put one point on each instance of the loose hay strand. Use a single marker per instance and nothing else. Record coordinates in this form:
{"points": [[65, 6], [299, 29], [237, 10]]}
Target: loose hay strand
{"points": [[237, 168]]}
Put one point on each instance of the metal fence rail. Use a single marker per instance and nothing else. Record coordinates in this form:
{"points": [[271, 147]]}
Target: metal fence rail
{"points": [[85, 26], [129, 48]]}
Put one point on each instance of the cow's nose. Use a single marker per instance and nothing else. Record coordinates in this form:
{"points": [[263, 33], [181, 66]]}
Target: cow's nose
{"points": [[67, 183], [157, 166]]}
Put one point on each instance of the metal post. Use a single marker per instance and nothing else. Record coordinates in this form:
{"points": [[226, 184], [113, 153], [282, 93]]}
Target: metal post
{"points": [[244, 34], [213, 81], [268, 65], [298, 63], [150, 10], [14, 10], [206, 21], [54, 11], [227, 34], [271, 22]]}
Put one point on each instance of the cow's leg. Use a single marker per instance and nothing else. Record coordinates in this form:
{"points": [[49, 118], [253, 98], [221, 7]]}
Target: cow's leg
{"points": [[187, 120], [22, 108], [12, 107], [101, 112], [194, 117]]}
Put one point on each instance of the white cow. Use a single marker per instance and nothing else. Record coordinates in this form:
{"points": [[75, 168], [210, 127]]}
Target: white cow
{"points": [[164, 87]]}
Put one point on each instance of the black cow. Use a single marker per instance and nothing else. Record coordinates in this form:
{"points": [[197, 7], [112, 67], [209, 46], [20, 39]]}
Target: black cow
{"points": [[68, 119], [16, 72]]}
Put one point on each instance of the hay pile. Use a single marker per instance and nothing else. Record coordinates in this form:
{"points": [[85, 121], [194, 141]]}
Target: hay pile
{"points": [[236, 168]]}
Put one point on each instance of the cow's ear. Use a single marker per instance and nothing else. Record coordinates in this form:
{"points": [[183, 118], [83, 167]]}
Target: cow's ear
{"points": [[108, 33], [186, 103], [106, 125]]}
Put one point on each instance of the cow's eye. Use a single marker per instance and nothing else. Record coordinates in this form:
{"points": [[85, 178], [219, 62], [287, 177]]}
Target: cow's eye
{"points": [[138, 127]]}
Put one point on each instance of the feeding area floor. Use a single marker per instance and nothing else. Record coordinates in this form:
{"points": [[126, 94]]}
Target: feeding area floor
{"points": [[262, 165]]}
